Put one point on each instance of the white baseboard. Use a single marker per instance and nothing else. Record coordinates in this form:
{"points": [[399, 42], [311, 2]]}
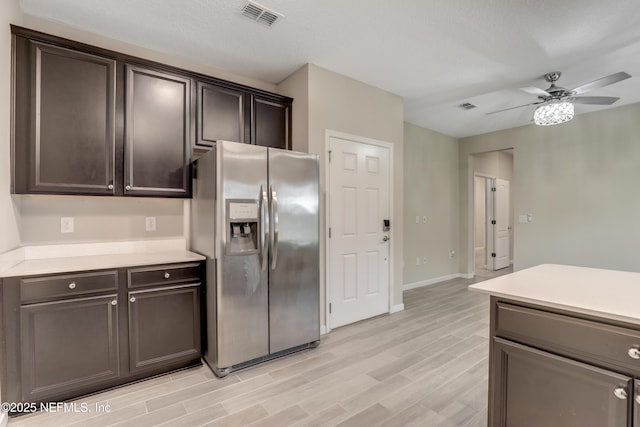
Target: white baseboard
{"points": [[4, 419], [466, 275], [323, 329], [396, 308], [435, 280]]}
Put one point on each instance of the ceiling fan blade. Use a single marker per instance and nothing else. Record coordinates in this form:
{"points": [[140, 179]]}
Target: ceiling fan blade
{"points": [[597, 100], [601, 82], [513, 108], [535, 91]]}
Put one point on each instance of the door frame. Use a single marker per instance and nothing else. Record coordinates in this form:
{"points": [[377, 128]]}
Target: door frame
{"points": [[487, 221], [328, 134]]}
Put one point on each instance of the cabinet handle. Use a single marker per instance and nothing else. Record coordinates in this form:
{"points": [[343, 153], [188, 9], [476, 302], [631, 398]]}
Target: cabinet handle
{"points": [[634, 353], [620, 393], [110, 186], [114, 302], [167, 275], [132, 299], [128, 187], [72, 285]]}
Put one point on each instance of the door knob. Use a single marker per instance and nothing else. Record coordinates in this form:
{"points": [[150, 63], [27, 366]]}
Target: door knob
{"points": [[620, 393], [385, 238]]}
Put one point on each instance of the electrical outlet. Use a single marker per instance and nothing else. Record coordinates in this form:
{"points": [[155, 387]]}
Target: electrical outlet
{"points": [[66, 224], [424, 260], [452, 253], [150, 223], [424, 219]]}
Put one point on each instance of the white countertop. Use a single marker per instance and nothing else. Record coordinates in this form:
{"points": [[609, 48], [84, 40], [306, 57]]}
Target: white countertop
{"points": [[65, 258], [604, 293]]}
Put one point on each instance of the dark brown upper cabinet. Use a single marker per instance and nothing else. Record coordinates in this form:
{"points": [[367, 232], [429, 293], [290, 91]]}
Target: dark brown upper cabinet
{"points": [[157, 133], [271, 124], [64, 133], [91, 121], [229, 113], [220, 114]]}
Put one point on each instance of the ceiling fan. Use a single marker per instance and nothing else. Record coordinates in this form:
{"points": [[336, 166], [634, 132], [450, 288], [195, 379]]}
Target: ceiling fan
{"points": [[556, 102]]}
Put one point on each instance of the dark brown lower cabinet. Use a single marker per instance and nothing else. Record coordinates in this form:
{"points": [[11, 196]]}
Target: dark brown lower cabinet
{"points": [[551, 367], [66, 335], [164, 326], [68, 346], [535, 388]]}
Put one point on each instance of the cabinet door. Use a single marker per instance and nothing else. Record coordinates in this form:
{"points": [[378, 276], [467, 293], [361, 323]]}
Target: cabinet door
{"points": [[535, 388], [271, 125], [636, 403], [220, 115], [157, 134], [64, 137], [164, 327], [68, 346]]}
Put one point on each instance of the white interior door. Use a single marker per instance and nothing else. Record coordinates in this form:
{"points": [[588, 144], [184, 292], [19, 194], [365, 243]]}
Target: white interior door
{"points": [[358, 247], [501, 216]]}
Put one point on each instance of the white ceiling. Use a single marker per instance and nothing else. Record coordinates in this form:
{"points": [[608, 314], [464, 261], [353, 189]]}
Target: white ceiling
{"points": [[436, 54]]}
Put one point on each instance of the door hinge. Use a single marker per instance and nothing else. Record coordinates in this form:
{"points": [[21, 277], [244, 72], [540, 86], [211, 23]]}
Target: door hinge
{"points": [[493, 254], [329, 232], [493, 188], [329, 308], [493, 221], [329, 156]]}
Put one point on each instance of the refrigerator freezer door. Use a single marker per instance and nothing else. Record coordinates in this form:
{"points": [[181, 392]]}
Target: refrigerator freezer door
{"points": [[294, 277], [242, 294]]}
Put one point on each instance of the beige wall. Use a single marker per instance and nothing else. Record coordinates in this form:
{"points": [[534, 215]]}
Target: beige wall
{"points": [[579, 180], [339, 103], [431, 190], [9, 217], [297, 87], [98, 219]]}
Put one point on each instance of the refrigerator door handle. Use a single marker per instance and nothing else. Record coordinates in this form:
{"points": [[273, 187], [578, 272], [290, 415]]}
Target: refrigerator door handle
{"points": [[274, 235], [264, 224]]}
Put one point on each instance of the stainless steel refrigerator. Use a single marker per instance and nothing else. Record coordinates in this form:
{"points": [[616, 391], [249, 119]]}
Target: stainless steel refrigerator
{"points": [[254, 215]]}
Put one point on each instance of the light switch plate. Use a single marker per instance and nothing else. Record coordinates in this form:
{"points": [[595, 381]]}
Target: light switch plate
{"points": [[150, 223], [66, 224]]}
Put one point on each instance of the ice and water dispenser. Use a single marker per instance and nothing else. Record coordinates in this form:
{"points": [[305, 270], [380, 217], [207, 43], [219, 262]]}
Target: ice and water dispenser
{"points": [[242, 227]]}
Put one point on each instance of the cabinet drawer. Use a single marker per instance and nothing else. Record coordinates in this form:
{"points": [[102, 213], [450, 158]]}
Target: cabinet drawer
{"points": [[67, 285], [159, 275], [594, 342]]}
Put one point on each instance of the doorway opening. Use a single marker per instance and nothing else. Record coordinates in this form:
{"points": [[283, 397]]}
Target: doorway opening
{"points": [[492, 213]]}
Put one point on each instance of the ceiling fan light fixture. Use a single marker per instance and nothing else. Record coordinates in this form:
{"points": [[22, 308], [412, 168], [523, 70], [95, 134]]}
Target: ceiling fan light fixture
{"points": [[553, 113]]}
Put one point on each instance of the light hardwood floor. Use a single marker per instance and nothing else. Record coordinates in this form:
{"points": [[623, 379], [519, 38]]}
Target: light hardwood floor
{"points": [[425, 366]]}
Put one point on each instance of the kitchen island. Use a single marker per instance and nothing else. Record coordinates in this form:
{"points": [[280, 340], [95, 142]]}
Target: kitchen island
{"points": [[565, 347]]}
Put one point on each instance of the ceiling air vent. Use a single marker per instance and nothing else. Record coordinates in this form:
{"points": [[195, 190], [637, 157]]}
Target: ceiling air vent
{"points": [[261, 14], [467, 106]]}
